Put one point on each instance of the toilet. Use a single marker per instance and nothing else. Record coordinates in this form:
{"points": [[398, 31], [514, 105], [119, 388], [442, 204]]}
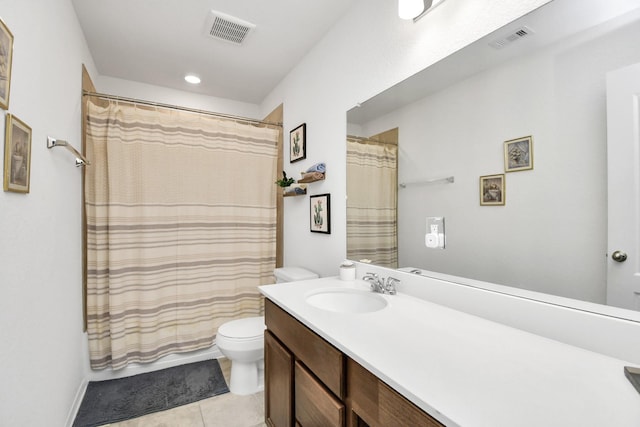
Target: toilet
{"points": [[242, 341]]}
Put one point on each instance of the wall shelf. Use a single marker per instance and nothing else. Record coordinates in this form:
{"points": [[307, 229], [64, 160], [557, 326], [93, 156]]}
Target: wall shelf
{"points": [[294, 194], [301, 184], [312, 177], [290, 191]]}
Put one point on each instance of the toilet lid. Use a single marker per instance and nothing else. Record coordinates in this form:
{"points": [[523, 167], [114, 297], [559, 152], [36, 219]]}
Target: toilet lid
{"points": [[248, 327]]}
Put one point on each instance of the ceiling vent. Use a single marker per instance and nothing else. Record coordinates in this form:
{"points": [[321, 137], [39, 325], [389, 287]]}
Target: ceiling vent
{"points": [[518, 34], [228, 28]]}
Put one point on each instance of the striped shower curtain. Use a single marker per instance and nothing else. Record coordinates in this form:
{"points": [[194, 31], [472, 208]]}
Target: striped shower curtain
{"points": [[181, 223], [372, 183]]}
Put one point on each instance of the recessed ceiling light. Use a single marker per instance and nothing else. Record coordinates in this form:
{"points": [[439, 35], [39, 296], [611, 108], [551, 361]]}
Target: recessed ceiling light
{"points": [[193, 79]]}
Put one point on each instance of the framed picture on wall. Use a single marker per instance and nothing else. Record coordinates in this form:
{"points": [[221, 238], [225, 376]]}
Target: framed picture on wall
{"points": [[6, 56], [17, 155], [492, 190], [320, 213], [298, 143], [518, 154]]}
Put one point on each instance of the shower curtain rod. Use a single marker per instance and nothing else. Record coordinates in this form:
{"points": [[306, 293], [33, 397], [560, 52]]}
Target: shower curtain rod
{"points": [[369, 140], [177, 107]]}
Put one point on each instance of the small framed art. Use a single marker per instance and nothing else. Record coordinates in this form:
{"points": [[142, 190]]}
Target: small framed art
{"points": [[492, 190], [518, 154], [320, 213], [17, 155], [298, 143], [6, 56]]}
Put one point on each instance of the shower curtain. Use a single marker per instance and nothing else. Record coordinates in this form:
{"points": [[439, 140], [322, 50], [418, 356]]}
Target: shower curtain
{"points": [[372, 183], [181, 223]]}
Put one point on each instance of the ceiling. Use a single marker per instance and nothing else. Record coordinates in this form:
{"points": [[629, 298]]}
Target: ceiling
{"points": [[159, 41]]}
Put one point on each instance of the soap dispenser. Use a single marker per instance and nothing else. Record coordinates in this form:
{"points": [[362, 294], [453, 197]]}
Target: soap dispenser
{"points": [[348, 271]]}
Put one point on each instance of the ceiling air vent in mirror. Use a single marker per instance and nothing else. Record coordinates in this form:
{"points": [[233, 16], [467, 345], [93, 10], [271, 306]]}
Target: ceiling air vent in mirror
{"points": [[228, 28], [512, 37]]}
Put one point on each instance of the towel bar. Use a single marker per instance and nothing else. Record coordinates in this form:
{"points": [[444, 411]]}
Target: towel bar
{"points": [[449, 179], [80, 159]]}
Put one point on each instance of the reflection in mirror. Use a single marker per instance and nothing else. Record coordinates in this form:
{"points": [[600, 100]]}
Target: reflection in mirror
{"points": [[372, 184], [454, 117]]}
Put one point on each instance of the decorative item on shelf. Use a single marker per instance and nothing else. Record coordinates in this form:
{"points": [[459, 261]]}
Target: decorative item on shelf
{"points": [[492, 190], [320, 213], [6, 56], [314, 173], [17, 155], [298, 143], [295, 190], [285, 181]]}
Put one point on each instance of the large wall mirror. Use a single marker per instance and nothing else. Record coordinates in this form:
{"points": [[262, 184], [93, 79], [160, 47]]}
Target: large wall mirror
{"points": [[543, 76]]}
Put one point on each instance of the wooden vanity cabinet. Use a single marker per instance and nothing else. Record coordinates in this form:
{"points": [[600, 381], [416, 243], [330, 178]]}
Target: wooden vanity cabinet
{"points": [[304, 374], [310, 383], [373, 403]]}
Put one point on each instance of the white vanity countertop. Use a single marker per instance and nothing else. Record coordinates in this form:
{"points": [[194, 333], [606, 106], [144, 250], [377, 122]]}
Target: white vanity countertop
{"points": [[467, 371]]}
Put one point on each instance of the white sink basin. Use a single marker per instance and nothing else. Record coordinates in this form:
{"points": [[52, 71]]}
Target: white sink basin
{"points": [[346, 300]]}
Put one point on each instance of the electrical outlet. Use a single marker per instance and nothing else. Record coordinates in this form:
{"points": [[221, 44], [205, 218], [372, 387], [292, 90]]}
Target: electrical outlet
{"points": [[435, 237]]}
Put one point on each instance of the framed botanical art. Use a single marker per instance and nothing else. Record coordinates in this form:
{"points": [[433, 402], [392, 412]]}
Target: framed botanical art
{"points": [[320, 213], [17, 155], [298, 143], [492, 190], [6, 56], [518, 154]]}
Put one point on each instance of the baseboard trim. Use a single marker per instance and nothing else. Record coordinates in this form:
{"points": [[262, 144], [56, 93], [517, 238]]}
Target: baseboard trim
{"points": [[77, 400]]}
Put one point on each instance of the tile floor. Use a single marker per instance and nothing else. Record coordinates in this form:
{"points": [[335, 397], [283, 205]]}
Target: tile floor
{"points": [[226, 410]]}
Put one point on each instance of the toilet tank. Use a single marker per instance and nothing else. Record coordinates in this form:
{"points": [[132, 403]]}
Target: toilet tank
{"points": [[292, 274]]}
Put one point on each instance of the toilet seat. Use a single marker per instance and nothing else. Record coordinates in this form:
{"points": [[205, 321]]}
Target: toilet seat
{"points": [[247, 329]]}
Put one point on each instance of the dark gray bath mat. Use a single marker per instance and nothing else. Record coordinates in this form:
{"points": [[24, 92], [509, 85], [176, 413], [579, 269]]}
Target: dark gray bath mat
{"points": [[111, 401]]}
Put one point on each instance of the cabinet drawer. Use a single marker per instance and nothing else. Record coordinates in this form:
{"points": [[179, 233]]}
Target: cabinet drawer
{"points": [[325, 361], [315, 406], [377, 404]]}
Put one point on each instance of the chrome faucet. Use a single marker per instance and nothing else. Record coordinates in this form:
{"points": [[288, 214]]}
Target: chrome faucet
{"points": [[390, 286], [376, 282], [380, 285]]}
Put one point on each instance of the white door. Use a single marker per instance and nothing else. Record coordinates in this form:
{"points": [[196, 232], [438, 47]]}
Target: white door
{"points": [[623, 150]]}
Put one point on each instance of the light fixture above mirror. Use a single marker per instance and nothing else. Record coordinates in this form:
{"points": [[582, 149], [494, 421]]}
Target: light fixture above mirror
{"points": [[416, 9]]}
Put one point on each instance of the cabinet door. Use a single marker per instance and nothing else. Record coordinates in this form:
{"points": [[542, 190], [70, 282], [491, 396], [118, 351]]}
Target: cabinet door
{"points": [[324, 360], [278, 383], [373, 403], [315, 406]]}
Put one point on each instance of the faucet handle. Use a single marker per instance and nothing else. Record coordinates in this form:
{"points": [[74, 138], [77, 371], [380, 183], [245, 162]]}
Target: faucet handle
{"points": [[375, 283], [390, 286]]}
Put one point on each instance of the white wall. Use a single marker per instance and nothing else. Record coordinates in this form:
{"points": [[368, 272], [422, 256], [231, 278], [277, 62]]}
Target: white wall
{"points": [[367, 51], [556, 214], [42, 362]]}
